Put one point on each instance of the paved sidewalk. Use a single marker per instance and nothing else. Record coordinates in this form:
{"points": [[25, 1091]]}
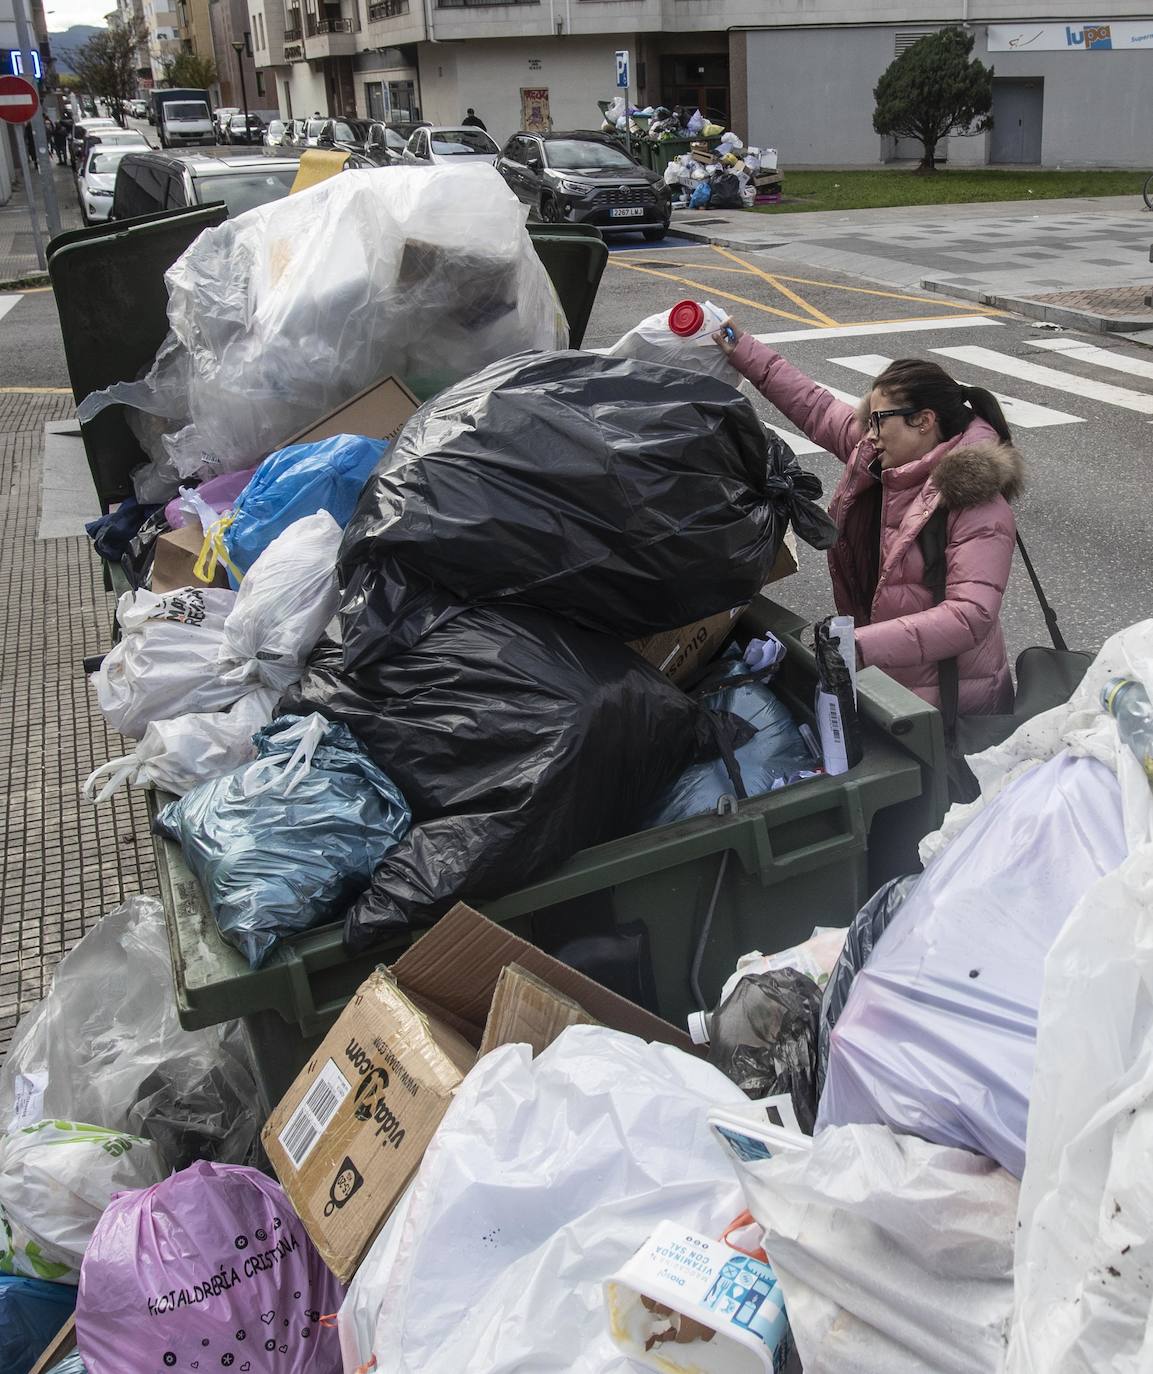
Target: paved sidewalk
{"points": [[1011, 253], [65, 862], [17, 250]]}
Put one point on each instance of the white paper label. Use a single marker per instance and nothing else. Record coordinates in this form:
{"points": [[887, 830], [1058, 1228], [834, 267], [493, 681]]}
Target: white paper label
{"points": [[28, 1106], [304, 1127], [832, 732]]}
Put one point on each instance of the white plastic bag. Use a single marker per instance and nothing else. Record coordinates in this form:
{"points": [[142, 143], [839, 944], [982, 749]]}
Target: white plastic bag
{"points": [[895, 1256], [290, 309], [544, 1177], [815, 958], [938, 1035], [286, 599], [166, 663], [106, 1046], [179, 754], [696, 122], [56, 1178]]}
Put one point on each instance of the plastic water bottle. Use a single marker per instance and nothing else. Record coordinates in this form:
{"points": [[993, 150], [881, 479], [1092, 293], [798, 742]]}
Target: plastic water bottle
{"points": [[1128, 702]]}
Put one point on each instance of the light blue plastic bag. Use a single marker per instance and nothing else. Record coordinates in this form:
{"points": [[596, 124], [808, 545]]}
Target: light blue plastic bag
{"points": [[297, 481], [774, 756], [290, 841], [31, 1313]]}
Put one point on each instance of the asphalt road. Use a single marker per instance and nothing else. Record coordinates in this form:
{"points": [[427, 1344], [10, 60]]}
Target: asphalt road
{"points": [[1083, 424]]}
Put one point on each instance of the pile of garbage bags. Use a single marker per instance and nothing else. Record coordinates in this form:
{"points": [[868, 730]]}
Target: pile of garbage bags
{"points": [[283, 313]]}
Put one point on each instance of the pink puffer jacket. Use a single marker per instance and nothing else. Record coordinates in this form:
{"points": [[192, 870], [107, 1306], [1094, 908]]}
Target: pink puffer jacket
{"points": [[974, 476]]}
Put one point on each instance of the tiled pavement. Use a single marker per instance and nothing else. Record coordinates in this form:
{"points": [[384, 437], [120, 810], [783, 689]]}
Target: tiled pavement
{"points": [[65, 862], [1123, 302], [17, 251]]}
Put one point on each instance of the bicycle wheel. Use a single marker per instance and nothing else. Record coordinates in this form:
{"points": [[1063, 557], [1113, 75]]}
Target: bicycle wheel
{"points": [[1147, 192]]}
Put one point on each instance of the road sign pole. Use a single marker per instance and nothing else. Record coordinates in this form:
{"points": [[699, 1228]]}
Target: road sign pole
{"points": [[37, 241], [39, 131]]}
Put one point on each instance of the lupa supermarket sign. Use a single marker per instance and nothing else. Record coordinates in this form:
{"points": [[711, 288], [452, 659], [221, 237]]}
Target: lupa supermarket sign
{"points": [[1098, 36]]}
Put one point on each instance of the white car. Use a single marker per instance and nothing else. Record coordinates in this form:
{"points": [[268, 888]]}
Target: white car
{"points": [[97, 179], [439, 146]]}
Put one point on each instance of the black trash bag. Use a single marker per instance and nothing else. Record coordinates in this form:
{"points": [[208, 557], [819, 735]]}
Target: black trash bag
{"points": [[726, 192], [517, 739], [764, 1037], [625, 496], [869, 924]]}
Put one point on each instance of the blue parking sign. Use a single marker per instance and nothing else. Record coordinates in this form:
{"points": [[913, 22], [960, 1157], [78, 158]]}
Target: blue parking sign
{"points": [[623, 70]]}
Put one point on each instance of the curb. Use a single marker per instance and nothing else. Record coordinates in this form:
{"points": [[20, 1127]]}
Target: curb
{"points": [[30, 279], [1040, 310]]}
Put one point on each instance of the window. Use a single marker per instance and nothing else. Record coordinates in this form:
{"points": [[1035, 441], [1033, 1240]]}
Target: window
{"points": [[402, 103], [585, 155], [374, 99], [243, 191], [260, 83], [474, 4], [462, 143], [263, 40], [176, 197]]}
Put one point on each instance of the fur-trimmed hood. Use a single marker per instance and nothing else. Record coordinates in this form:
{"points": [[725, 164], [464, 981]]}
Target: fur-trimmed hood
{"points": [[974, 474]]}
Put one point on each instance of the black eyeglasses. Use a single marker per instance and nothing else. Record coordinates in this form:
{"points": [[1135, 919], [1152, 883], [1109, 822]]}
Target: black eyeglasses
{"points": [[876, 416]]}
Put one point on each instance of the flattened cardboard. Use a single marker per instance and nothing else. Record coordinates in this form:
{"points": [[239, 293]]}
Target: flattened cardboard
{"points": [[679, 653], [385, 1074], [526, 1011], [175, 558], [379, 411]]}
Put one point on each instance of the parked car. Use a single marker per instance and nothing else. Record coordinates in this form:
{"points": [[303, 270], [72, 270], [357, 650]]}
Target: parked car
{"points": [[384, 145], [242, 130], [441, 146], [81, 131], [406, 130], [138, 109], [347, 135], [220, 117], [97, 180], [296, 133], [147, 182], [586, 178], [274, 135], [110, 138]]}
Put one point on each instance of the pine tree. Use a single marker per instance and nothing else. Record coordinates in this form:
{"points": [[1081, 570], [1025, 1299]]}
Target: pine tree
{"points": [[932, 90]]}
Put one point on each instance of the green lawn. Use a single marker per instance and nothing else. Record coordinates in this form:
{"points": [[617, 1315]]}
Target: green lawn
{"points": [[863, 190]]}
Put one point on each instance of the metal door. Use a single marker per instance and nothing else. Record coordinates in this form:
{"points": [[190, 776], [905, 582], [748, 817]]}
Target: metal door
{"points": [[1017, 118]]}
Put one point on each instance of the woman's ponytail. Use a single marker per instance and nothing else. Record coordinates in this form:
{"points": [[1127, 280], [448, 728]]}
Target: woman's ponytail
{"points": [[985, 406]]}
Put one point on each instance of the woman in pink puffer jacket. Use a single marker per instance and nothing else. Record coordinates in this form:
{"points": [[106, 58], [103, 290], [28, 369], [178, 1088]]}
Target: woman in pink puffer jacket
{"points": [[919, 440]]}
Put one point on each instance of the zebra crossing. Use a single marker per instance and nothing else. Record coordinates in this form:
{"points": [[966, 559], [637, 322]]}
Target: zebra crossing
{"points": [[1077, 378]]}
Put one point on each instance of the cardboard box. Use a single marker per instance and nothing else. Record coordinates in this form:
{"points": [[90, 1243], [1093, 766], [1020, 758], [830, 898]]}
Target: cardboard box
{"points": [[349, 1133], [379, 411], [679, 653], [175, 560]]}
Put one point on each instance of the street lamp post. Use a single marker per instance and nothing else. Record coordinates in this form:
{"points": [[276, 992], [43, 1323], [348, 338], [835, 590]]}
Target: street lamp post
{"points": [[238, 48]]}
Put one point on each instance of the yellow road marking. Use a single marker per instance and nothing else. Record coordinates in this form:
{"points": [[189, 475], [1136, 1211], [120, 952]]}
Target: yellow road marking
{"points": [[895, 296], [24, 290], [36, 390], [713, 291], [818, 315]]}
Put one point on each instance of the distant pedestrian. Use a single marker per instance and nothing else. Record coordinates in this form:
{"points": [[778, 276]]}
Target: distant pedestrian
{"points": [[473, 121], [60, 141], [30, 144]]}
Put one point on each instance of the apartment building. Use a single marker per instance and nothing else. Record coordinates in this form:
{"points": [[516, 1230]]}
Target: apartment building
{"points": [[1071, 88]]}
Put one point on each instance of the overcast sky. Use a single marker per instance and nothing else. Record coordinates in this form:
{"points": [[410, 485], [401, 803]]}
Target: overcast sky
{"points": [[62, 14]]}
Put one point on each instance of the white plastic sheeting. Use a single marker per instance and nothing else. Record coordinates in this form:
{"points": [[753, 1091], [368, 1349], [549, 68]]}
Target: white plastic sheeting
{"points": [[544, 1177]]}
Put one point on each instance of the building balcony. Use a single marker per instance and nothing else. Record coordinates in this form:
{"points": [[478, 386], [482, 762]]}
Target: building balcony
{"points": [[293, 34], [294, 52], [387, 9], [331, 37]]}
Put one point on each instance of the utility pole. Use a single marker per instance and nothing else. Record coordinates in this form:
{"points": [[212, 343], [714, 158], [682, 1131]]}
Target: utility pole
{"points": [[238, 48], [39, 132]]}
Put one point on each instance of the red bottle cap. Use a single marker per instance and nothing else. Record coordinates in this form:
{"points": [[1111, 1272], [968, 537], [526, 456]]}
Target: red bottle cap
{"points": [[686, 318]]}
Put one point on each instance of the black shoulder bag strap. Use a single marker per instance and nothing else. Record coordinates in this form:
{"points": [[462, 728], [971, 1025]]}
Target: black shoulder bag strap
{"points": [[1046, 610]]}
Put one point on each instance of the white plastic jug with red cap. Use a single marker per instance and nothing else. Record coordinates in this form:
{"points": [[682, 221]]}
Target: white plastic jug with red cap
{"points": [[680, 337]]}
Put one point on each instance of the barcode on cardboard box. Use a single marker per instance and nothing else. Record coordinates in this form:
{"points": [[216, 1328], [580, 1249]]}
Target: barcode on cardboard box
{"points": [[303, 1129]]}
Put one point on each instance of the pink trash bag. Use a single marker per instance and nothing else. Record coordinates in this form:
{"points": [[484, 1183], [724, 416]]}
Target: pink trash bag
{"points": [[207, 1272]]}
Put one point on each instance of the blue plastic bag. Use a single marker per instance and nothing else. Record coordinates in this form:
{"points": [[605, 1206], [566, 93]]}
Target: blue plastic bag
{"points": [[31, 1313], [297, 481], [702, 193], [288, 842], [774, 756]]}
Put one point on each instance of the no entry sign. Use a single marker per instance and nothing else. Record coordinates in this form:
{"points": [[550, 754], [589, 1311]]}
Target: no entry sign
{"points": [[18, 100]]}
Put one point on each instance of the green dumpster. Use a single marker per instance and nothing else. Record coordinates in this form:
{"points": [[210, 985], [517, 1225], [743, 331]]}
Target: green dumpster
{"points": [[575, 257], [808, 855]]}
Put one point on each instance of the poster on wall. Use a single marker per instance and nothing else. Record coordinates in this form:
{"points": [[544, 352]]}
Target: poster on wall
{"points": [[534, 112], [1099, 36]]}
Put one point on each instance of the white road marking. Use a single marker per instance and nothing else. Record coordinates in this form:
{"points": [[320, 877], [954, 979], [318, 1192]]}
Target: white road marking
{"points": [[1080, 387], [797, 442], [1024, 414], [856, 331], [7, 303], [1103, 357]]}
